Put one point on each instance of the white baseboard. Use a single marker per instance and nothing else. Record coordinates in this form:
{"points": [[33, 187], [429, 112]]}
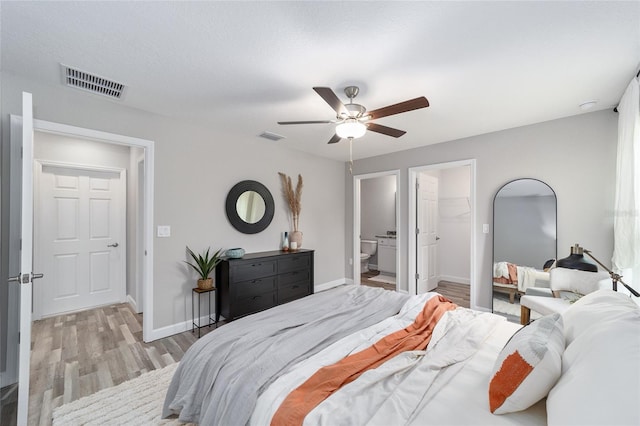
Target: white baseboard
{"points": [[330, 284], [459, 280], [133, 304], [170, 330]]}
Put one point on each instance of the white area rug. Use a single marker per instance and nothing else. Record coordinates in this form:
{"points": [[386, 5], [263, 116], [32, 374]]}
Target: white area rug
{"points": [[135, 402], [383, 279]]}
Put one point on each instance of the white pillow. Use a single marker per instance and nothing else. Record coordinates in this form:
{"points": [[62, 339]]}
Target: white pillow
{"points": [[528, 366], [576, 281], [593, 308], [600, 382]]}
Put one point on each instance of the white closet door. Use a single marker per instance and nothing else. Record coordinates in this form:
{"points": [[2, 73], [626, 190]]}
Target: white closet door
{"points": [[81, 238], [427, 220]]}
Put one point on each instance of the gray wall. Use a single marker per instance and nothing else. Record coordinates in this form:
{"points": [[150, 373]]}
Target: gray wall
{"points": [[195, 167], [576, 156]]}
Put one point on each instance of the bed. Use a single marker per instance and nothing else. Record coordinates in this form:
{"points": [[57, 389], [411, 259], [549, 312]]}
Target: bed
{"points": [[247, 371], [514, 279]]}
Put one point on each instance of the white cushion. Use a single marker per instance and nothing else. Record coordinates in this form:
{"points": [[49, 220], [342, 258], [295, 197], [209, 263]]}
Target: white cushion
{"points": [[544, 305], [600, 382], [528, 366], [576, 281]]}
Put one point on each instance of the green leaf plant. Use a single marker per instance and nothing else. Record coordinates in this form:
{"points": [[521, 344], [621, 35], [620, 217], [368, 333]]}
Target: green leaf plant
{"points": [[204, 263]]}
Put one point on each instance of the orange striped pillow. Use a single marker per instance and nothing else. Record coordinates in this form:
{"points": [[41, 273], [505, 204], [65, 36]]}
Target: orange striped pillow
{"points": [[528, 366]]}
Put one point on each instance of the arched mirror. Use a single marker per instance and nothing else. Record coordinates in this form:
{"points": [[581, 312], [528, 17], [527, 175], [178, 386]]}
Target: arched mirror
{"points": [[250, 207], [524, 242]]}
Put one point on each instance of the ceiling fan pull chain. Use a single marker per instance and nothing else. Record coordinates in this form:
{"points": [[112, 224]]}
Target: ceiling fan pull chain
{"points": [[351, 156]]}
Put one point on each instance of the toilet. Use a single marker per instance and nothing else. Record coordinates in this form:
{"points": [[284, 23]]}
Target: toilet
{"points": [[367, 249]]}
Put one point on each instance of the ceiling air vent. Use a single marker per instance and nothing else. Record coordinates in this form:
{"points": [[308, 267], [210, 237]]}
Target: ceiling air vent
{"points": [[82, 80], [271, 136]]}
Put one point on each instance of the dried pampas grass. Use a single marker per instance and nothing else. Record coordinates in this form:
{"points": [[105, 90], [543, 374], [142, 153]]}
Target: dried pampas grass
{"points": [[294, 198]]}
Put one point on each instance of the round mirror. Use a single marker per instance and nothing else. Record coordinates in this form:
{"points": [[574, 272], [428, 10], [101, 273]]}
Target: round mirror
{"points": [[250, 207]]}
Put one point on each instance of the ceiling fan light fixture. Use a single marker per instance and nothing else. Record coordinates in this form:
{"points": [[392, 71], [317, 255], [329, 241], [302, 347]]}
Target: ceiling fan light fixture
{"points": [[351, 128]]}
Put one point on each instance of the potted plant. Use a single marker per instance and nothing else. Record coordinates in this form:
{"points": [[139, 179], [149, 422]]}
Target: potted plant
{"points": [[204, 264]]}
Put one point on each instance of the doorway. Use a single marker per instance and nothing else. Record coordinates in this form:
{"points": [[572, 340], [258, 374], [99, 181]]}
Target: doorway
{"points": [[441, 227], [140, 156], [376, 215], [18, 248]]}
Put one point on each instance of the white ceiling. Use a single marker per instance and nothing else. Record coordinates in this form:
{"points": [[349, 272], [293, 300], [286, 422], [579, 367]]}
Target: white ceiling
{"points": [[243, 66]]}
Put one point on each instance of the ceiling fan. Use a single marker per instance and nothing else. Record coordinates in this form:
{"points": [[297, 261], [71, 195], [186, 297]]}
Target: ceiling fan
{"points": [[353, 120]]}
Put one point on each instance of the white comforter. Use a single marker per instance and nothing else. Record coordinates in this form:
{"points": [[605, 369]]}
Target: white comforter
{"points": [[405, 389]]}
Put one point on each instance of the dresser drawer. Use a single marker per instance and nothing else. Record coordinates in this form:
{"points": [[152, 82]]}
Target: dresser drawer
{"points": [[293, 291], [294, 276], [253, 287], [294, 262], [249, 305], [250, 270]]}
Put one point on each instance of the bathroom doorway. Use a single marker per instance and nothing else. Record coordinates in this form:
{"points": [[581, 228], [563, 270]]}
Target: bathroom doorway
{"points": [[375, 243]]}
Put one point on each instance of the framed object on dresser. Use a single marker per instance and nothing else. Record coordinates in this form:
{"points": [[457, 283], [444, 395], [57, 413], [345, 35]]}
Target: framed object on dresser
{"points": [[260, 281]]}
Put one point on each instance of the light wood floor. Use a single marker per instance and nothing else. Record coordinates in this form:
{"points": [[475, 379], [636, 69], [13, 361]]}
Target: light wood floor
{"points": [[457, 293], [79, 354]]}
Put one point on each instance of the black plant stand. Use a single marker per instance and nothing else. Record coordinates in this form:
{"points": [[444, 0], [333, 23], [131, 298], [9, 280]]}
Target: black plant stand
{"points": [[199, 324]]}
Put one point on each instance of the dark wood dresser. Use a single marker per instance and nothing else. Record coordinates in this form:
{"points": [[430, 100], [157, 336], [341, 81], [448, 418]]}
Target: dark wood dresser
{"points": [[259, 281]]}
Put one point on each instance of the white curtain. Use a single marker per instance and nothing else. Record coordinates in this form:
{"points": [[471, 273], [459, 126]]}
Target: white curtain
{"points": [[626, 250]]}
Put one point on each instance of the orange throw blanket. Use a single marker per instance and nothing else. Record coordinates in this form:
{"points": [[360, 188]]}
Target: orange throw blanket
{"points": [[329, 379]]}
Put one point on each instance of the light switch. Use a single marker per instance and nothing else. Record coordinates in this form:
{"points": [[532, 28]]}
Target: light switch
{"points": [[164, 231], [485, 228]]}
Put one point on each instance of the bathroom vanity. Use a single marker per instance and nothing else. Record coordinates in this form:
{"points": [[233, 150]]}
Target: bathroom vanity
{"points": [[387, 254]]}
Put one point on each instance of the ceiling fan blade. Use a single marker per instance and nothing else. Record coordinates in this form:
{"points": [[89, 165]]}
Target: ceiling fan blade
{"points": [[405, 106], [306, 122], [335, 139], [389, 131], [332, 99]]}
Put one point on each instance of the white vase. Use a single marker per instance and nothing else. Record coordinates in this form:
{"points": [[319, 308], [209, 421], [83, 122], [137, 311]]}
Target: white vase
{"points": [[297, 237]]}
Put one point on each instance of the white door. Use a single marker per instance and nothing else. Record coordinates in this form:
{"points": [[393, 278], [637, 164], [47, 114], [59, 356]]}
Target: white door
{"points": [[80, 235], [18, 348], [426, 233]]}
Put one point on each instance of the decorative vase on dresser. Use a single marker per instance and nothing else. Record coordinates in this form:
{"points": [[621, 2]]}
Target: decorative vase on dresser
{"points": [[296, 237], [260, 281]]}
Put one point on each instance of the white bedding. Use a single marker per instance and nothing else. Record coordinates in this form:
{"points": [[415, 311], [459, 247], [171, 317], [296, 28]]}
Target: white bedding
{"points": [[446, 384]]}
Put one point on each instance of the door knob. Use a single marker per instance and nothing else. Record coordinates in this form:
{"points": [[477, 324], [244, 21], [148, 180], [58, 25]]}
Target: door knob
{"points": [[113, 245], [437, 238], [25, 278]]}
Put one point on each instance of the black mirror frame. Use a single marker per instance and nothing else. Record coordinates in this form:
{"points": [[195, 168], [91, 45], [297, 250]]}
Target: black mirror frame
{"points": [[232, 214]]}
